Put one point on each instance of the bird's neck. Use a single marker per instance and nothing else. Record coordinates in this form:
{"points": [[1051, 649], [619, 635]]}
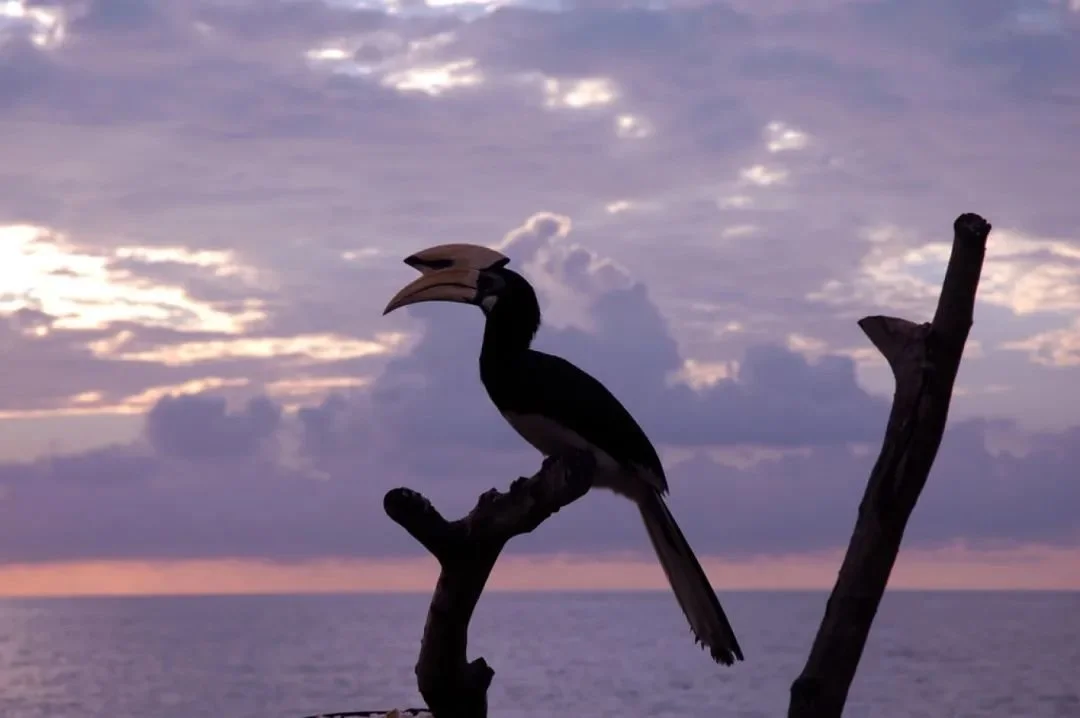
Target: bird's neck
{"points": [[506, 339]]}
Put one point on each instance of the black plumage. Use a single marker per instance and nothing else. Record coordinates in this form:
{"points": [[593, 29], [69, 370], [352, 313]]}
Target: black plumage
{"points": [[558, 408], [554, 405]]}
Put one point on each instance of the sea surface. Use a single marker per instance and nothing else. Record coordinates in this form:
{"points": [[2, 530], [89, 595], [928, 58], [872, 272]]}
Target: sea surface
{"points": [[932, 655]]}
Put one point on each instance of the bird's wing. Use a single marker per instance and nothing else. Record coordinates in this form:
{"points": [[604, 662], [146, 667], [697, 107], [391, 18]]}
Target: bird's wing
{"points": [[560, 390]]}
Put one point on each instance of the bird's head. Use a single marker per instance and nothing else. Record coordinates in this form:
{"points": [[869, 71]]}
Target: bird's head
{"points": [[464, 273]]}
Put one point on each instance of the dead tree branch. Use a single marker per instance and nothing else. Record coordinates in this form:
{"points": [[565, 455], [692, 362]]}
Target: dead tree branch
{"points": [[467, 550], [924, 359]]}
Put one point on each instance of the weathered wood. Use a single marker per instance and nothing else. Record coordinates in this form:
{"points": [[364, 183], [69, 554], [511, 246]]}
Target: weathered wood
{"points": [[467, 550], [924, 359]]}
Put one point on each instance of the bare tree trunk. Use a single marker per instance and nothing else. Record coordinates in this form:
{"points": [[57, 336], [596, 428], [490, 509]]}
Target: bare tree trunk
{"points": [[467, 550], [924, 359]]}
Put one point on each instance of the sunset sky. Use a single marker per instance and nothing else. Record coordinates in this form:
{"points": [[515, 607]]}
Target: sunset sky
{"points": [[204, 206]]}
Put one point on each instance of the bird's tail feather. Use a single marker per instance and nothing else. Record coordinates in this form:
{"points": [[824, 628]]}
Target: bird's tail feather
{"points": [[688, 580]]}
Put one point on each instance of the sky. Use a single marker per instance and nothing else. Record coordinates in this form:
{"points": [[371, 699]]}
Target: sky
{"points": [[204, 207]]}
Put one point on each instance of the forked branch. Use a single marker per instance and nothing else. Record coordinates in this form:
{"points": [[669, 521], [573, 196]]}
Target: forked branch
{"points": [[467, 550], [924, 359]]}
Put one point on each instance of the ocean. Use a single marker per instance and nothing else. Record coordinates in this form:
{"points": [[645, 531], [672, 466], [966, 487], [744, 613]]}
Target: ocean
{"points": [[930, 655]]}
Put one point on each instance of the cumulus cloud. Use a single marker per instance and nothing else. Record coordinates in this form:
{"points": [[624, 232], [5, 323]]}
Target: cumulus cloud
{"points": [[215, 197], [198, 427], [779, 396], [1056, 348], [303, 95], [103, 328], [150, 500]]}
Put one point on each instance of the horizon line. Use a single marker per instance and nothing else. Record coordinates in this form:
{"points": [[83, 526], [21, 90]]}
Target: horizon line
{"points": [[511, 591]]}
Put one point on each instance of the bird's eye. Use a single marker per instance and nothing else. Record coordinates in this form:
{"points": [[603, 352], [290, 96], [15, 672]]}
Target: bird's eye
{"points": [[488, 284]]}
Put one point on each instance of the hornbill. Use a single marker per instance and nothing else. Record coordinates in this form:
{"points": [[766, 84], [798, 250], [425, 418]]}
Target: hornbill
{"points": [[558, 408]]}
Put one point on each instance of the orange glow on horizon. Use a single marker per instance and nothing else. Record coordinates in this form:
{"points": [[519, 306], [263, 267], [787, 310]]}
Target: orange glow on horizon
{"points": [[955, 567]]}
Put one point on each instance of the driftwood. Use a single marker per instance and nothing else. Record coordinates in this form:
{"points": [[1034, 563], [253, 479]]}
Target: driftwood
{"points": [[467, 550], [924, 359]]}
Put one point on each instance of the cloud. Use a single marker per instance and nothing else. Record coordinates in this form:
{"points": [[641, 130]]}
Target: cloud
{"points": [[1023, 274], [977, 492], [617, 333], [200, 488], [1056, 348], [1027, 282], [214, 197], [200, 428], [91, 328]]}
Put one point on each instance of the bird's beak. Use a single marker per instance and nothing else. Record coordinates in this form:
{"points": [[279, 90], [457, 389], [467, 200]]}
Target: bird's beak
{"points": [[455, 256], [446, 285]]}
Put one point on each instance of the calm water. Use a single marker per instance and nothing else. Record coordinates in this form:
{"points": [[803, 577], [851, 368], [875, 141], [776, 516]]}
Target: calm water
{"points": [[937, 655]]}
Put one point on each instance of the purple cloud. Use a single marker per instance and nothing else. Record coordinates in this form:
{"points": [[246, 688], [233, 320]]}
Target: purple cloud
{"points": [[780, 398], [147, 502], [218, 197], [198, 427]]}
